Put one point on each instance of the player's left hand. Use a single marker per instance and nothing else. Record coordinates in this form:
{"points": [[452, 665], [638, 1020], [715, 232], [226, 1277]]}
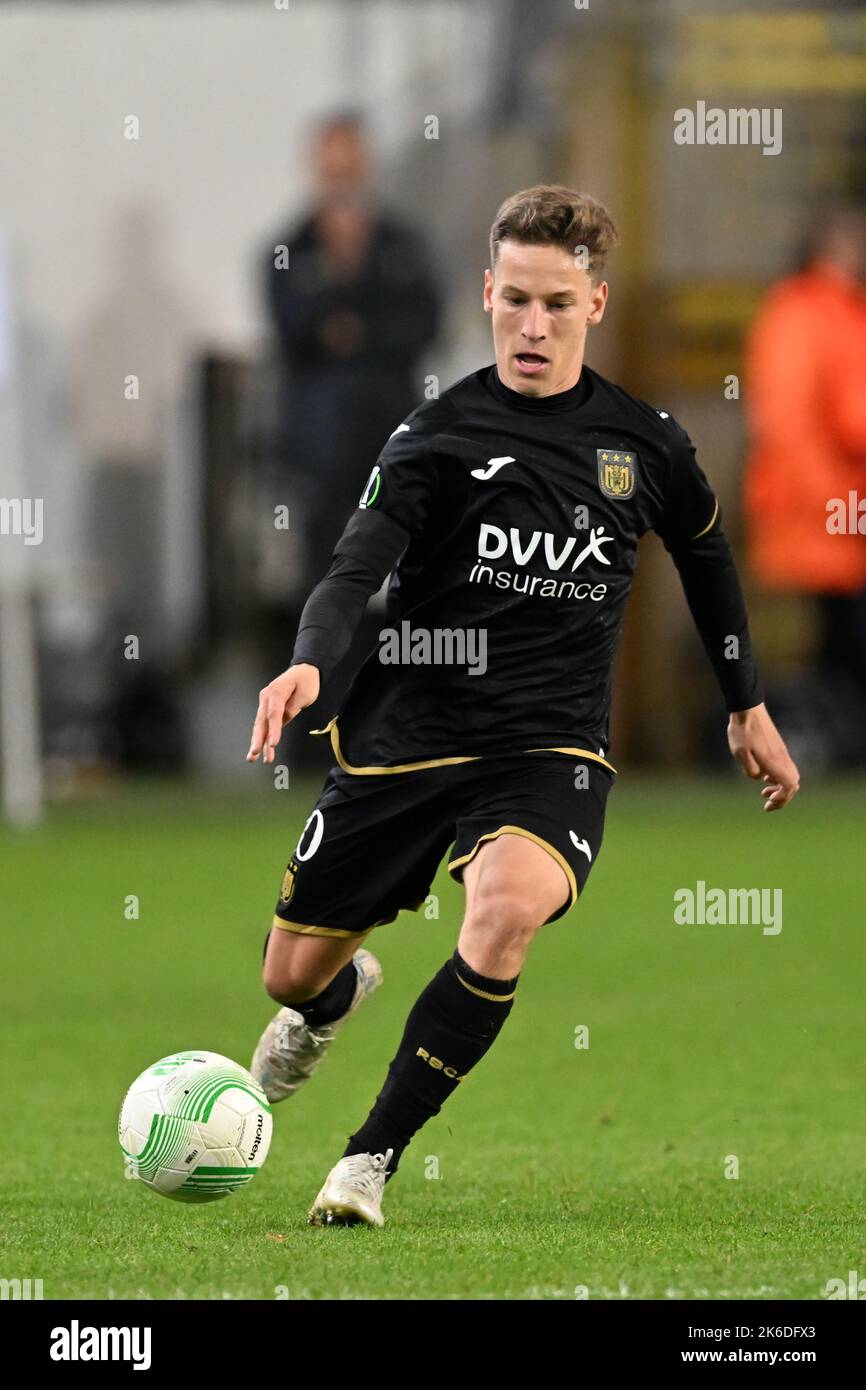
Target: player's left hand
{"points": [[759, 748]]}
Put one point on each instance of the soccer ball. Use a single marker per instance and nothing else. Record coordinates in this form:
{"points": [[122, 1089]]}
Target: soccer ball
{"points": [[195, 1126]]}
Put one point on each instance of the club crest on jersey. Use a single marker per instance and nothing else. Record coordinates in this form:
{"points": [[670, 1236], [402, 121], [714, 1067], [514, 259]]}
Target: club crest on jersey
{"points": [[617, 472]]}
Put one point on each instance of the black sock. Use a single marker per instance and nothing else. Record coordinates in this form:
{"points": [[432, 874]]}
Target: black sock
{"points": [[333, 1001], [451, 1026]]}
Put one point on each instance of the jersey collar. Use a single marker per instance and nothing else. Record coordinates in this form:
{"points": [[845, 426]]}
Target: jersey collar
{"points": [[556, 404]]}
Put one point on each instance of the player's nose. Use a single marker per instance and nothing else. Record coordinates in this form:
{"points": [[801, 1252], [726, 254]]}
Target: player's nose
{"points": [[534, 325]]}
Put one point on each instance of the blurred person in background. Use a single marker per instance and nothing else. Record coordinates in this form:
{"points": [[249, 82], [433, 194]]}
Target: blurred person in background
{"points": [[806, 410], [353, 312]]}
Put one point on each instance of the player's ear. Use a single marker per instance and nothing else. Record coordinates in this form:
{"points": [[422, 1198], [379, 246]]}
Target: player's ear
{"points": [[487, 296], [597, 302]]}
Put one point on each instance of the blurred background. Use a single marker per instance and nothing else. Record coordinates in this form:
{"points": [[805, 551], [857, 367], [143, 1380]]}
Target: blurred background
{"points": [[239, 242]]}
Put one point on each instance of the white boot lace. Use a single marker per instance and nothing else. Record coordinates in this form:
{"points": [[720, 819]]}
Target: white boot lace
{"points": [[367, 1171]]}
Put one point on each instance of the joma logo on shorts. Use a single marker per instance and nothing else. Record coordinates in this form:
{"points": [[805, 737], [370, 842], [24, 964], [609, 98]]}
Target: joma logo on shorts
{"points": [[438, 1064]]}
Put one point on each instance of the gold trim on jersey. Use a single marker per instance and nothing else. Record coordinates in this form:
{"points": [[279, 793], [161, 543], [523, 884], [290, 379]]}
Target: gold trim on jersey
{"points": [[576, 752], [527, 835], [709, 523], [331, 728]]}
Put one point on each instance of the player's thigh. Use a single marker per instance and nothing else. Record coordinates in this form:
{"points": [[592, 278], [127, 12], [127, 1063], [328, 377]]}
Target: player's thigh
{"points": [[514, 882], [526, 840], [299, 967]]}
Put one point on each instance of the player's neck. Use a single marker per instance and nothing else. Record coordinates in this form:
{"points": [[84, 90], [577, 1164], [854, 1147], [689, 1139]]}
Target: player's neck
{"points": [[539, 391], [565, 397]]}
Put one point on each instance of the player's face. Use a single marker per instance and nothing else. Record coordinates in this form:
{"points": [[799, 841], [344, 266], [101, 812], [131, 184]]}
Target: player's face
{"points": [[542, 302]]}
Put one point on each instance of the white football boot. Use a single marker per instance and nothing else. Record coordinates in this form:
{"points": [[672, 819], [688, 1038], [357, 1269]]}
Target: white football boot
{"points": [[290, 1050], [352, 1192]]}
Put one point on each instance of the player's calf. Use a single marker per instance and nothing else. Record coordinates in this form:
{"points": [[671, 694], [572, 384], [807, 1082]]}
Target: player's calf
{"points": [[452, 1025]]}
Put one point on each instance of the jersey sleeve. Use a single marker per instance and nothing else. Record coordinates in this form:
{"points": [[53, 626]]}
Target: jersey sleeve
{"points": [[403, 480], [690, 508], [391, 510], [690, 527], [363, 557]]}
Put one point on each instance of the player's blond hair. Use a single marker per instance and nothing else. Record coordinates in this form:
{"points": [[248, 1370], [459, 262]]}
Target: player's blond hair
{"points": [[550, 214]]}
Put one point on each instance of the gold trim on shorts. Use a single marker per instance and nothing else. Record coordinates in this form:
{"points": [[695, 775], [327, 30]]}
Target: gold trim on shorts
{"points": [[304, 930], [527, 835]]}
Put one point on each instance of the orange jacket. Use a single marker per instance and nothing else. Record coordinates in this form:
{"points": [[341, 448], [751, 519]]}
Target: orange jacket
{"points": [[806, 410]]}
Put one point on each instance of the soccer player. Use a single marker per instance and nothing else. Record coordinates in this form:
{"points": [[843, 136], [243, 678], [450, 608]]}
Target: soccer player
{"points": [[508, 514]]}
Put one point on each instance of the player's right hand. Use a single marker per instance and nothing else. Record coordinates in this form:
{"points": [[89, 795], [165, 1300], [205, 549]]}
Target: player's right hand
{"points": [[279, 702]]}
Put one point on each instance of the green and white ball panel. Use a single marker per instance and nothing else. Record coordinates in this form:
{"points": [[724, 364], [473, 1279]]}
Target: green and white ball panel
{"points": [[195, 1126]]}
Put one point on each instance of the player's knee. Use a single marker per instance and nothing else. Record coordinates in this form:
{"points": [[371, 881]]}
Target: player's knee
{"points": [[507, 911], [292, 985]]}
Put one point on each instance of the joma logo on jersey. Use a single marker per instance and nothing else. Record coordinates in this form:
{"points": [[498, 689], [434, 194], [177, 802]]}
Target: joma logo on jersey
{"points": [[617, 472], [493, 542]]}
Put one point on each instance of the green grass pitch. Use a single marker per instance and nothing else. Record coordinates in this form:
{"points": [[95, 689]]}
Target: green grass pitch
{"points": [[559, 1169]]}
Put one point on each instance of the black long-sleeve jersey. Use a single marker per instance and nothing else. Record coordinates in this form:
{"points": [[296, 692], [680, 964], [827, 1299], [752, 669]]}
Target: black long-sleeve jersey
{"points": [[514, 523]]}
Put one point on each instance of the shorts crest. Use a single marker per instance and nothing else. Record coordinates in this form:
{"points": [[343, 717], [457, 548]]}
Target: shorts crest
{"points": [[287, 888]]}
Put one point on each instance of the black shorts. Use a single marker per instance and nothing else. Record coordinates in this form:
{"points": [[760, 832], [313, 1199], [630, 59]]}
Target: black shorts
{"points": [[372, 845]]}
